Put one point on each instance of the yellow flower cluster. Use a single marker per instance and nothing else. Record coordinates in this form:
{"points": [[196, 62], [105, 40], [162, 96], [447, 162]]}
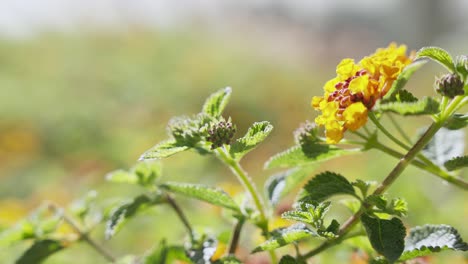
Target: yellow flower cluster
{"points": [[356, 88]]}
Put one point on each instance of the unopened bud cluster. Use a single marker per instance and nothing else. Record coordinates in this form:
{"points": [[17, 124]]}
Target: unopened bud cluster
{"points": [[221, 134], [306, 133], [449, 85], [186, 130]]}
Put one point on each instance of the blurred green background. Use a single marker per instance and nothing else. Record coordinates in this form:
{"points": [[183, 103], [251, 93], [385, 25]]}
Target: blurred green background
{"points": [[85, 88]]}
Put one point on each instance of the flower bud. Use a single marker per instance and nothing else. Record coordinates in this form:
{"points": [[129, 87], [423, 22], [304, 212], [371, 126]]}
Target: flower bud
{"points": [[221, 134], [449, 85], [306, 133]]}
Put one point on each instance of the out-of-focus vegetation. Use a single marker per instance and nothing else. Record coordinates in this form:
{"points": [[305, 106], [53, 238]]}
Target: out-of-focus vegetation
{"points": [[73, 107]]}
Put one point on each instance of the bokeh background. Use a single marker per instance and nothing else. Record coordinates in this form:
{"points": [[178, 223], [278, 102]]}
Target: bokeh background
{"points": [[87, 86]]}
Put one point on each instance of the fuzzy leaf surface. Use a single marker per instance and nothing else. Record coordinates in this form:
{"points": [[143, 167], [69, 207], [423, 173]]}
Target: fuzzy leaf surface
{"points": [[144, 173], [288, 259], [165, 254], [457, 121], [163, 150], [325, 185], [438, 55], [425, 106], [283, 236], [403, 78], [124, 212], [386, 236], [216, 102], [281, 184], [39, 251], [428, 239], [205, 193], [301, 155], [445, 145], [456, 163], [254, 136]]}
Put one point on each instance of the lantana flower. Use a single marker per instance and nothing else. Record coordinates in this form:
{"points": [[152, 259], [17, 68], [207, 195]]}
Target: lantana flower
{"points": [[354, 91]]}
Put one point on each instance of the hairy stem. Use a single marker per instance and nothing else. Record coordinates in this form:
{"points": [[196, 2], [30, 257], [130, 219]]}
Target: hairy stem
{"points": [[245, 180], [386, 183], [249, 186], [83, 235], [427, 165], [181, 215]]}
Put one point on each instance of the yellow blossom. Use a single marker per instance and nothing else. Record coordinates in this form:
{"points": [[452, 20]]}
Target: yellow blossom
{"points": [[355, 116], [354, 91]]}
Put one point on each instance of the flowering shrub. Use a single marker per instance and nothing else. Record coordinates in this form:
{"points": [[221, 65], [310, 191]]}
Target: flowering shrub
{"points": [[360, 92]]}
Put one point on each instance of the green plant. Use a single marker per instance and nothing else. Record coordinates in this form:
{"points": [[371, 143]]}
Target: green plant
{"points": [[371, 89]]}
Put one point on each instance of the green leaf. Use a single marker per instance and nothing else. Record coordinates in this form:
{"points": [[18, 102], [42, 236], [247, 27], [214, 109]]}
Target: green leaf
{"points": [[254, 136], [288, 259], [404, 96], [456, 163], [163, 150], [216, 102], [378, 260], [380, 201], [461, 65], [25, 229], [457, 121], [403, 78], [144, 173], [283, 236], [386, 236], [427, 239], [445, 145], [307, 154], [325, 185], [122, 213], [165, 254], [205, 193], [438, 55], [82, 207], [425, 106], [281, 184], [39, 251], [228, 260]]}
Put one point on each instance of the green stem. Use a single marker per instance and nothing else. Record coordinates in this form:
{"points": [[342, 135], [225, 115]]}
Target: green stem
{"points": [[249, 186], [426, 164], [386, 132], [399, 129], [435, 170], [84, 235], [181, 216], [386, 183], [245, 180]]}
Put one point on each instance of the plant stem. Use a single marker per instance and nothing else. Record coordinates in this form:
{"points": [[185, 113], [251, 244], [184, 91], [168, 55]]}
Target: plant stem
{"points": [[181, 215], [386, 132], [427, 165], [386, 183], [249, 186], [83, 235], [245, 180], [236, 236], [435, 170], [399, 129]]}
